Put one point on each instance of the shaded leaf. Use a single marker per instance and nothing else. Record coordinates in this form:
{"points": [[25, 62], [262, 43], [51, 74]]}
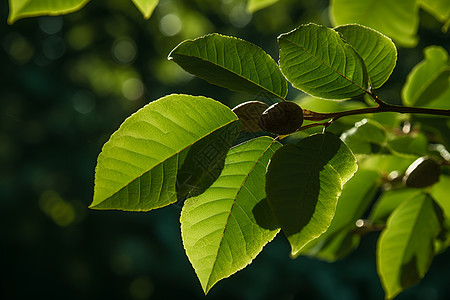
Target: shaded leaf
{"points": [[396, 19], [377, 50], [303, 184], [440, 9], [232, 63], [317, 61], [339, 240], [148, 160], [366, 137], [428, 81], [409, 145], [406, 247], [385, 163], [255, 5], [221, 228], [19, 9], [146, 7]]}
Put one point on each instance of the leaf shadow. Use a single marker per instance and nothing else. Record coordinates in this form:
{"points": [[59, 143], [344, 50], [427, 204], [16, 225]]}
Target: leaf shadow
{"points": [[204, 161], [264, 216], [297, 195]]}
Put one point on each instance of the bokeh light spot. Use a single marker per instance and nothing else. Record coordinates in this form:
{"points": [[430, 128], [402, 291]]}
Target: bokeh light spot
{"points": [[53, 47], [132, 89], [80, 37], [83, 101], [51, 25], [61, 211], [170, 25], [124, 51], [18, 48]]}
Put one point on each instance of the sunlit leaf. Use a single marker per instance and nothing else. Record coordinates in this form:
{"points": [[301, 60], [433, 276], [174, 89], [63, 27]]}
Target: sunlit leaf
{"points": [[390, 200], [19, 9], [428, 83], [397, 19], [377, 50], [255, 5], [440, 192], [338, 240], [232, 63], [303, 184], [226, 227], [162, 152], [406, 247], [317, 61], [146, 6], [366, 137]]}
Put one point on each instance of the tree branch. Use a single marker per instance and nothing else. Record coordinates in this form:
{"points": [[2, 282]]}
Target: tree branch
{"points": [[382, 107]]}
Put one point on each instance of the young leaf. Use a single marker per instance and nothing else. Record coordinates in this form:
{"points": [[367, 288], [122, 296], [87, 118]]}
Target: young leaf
{"points": [[168, 147], [255, 5], [303, 184], [317, 61], [356, 196], [406, 247], [232, 63], [377, 50], [226, 227], [19, 9], [146, 6], [429, 80], [396, 19], [366, 137]]}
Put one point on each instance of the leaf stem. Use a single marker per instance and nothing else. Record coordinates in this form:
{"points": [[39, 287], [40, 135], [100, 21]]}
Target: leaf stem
{"points": [[382, 107]]}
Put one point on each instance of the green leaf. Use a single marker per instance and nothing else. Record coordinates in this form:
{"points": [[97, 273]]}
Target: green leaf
{"points": [[440, 9], [19, 9], [146, 7], [356, 196], [160, 153], [232, 63], [226, 227], [303, 184], [406, 247], [396, 19], [316, 60], [428, 81], [389, 201], [377, 50], [255, 5], [385, 164], [440, 193], [366, 137], [409, 145]]}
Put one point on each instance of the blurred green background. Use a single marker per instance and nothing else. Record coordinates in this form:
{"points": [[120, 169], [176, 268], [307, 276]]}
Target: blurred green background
{"points": [[67, 83]]}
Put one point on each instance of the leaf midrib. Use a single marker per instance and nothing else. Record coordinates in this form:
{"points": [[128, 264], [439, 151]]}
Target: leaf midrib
{"points": [[231, 209], [232, 72], [166, 159], [325, 64]]}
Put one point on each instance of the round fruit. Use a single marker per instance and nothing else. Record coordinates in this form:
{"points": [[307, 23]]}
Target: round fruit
{"points": [[282, 118], [249, 112], [422, 173]]}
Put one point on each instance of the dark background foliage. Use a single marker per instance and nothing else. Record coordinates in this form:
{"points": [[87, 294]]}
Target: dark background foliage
{"points": [[66, 83]]}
